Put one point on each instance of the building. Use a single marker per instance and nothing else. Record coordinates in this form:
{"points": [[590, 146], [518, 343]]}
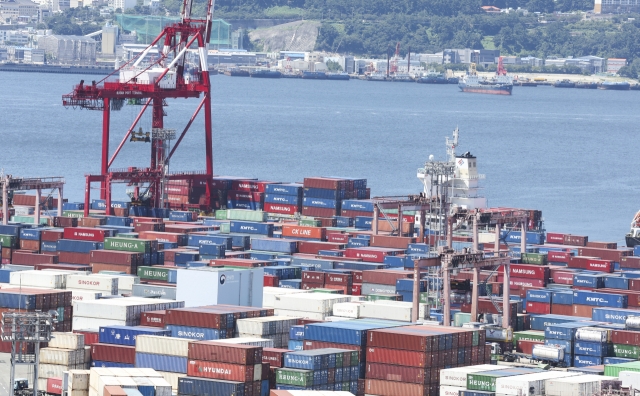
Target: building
{"points": [[615, 64], [484, 57], [616, 6], [592, 64], [14, 37], [19, 8], [109, 39], [34, 55], [431, 58], [217, 59], [60, 5], [456, 56], [124, 4], [313, 57], [76, 50], [532, 61]]}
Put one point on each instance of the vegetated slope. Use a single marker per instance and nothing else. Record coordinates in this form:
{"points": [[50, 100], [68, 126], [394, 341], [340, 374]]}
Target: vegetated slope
{"points": [[293, 36]]}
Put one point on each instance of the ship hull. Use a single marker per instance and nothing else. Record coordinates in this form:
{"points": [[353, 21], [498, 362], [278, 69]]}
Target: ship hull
{"points": [[487, 89], [314, 76], [632, 241], [615, 87]]}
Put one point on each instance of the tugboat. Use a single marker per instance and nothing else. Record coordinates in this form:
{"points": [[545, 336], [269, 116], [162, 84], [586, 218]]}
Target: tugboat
{"points": [[633, 237], [564, 84], [502, 85]]}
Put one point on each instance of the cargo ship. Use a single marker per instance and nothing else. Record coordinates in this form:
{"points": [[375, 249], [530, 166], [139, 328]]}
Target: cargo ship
{"points": [[338, 76], [265, 73], [433, 77], [471, 83], [564, 84], [615, 86]]}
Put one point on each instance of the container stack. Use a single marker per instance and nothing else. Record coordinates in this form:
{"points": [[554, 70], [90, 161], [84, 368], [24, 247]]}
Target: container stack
{"points": [[167, 355], [224, 369], [117, 345], [327, 368], [577, 385], [454, 380], [113, 381], [276, 328], [77, 382], [592, 345], [65, 352], [283, 199], [309, 305], [117, 311], [323, 196], [407, 360], [247, 194]]}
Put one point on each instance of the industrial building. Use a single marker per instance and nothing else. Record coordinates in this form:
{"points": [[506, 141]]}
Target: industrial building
{"points": [[69, 49], [18, 8], [616, 6], [615, 64]]}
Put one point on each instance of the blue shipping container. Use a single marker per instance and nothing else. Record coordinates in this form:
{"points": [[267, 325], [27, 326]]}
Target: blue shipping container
{"points": [[192, 386], [418, 248], [197, 240], [290, 283], [612, 315], [196, 333], [346, 332], [171, 364], [542, 295], [616, 360], [323, 193], [249, 205], [533, 237], [73, 206], [315, 263], [126, 335], [30, 234], [275, 245], [332, 253], [358, 266], [616, 282], [5, 275], [357, 205], [47, 246], [567, 345], [284, 189], [296, 333], [540, 322], [407, 285], [295, 345], [585, 361], [185, 257], [589, 280], [321, 203], [562, 297], [248, 227], [363, 222], [591, 348], [565, 331], [70, 245], [596, 299], [212, 250], [100, 363], [283, 199]]}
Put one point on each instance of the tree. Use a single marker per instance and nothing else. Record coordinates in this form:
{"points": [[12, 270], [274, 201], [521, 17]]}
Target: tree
{"points": [[333, 66]]}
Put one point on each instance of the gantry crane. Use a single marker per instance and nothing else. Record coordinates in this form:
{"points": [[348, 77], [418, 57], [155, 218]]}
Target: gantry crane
{"points": [[152, 82]]}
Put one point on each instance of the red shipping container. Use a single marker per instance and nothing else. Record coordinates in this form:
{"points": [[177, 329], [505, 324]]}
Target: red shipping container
{"points": [[534, 307], [383, 371], [114, 353], [385, 277], [634, 284], [526, 346], [238, 263], [344, 289], [625, 337], [313, 247], [196, 317], [357, 276], [366, 254], [516, 283], [54, 386], [555, 237], [311, 285], [340, 238], [250, 185], [173, 237], [176, 190], [559, 257], [605, 254], [630, 262], [29, 245], [327, 183], [274, 356], [271, 281], [388, 241], [97, 267], [529, 271], [562, 277], [304, 232], [599, 265], [393, 388], [224, 371], [602, 245], [575, 240], [281, 208], [338, 279], [32, 258], [75, 258], [559, 309], [85, 234], [318, 212], [313, 277], [64, 222], [399, 357], [356, 289], [153, 318], [116, 257], [233, 354]]}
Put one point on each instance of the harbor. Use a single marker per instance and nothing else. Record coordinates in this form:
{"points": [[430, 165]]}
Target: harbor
{"points": [[442, 263]]}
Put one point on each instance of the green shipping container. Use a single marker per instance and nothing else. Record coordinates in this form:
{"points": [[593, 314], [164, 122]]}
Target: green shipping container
{"points": [[626, 351], [613, 370], [153, 273], [221, 214], [326, 291], [245, 215], [296, 377], [128, 245], [29, 220], [309, 223], [534, 258], [383, 296], [459, 318], [486, 381], [8, 241], [529, 335], [225, 228], [78, 214]]}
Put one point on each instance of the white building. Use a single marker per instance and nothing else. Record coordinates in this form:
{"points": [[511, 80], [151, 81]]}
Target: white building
{"points": [[124, 4], [615, 64]]}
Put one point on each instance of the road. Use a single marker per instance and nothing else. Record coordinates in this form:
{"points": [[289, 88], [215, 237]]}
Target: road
{"points": [[5, 372]]}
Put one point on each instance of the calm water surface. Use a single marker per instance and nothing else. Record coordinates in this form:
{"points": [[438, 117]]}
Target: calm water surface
{"points": [[567, 152]]}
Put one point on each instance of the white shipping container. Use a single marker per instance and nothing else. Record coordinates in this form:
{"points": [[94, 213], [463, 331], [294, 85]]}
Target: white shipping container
{"points": [[262, 342], [106, 381], [108, 285], [78, 380], [46, 370], [391, 310], [163, 387], [143, 372], [457, 377], [93, 392], [529, 383], [580, 385], [52, 280], [172, 378], [42, 384], [279, 340], [66, 340], [266, 325], [83, 323], [65, 357], [301, 314], [78, 393], [450, 390], [162, 345], [122, 308], [337, 319], [125, 282], [630, 379], [347, 310], [269, 294], [309, 302]]}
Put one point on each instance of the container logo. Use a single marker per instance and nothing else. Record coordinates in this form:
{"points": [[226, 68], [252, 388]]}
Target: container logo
{"points": [[223, 278]]}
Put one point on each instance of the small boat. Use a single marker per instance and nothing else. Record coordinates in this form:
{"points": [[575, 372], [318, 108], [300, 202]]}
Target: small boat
{"points": [[586, 85], [338, 76], [265, 73], [616, 86], [433, 77], [236, 73], [401, 77], [564, 84], [377, 77], [314, 75]]}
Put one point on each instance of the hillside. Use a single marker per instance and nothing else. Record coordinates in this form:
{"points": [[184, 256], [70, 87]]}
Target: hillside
{"points": [[294, 36]]}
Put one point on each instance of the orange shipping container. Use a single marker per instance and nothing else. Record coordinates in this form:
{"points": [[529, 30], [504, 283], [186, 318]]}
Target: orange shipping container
{"points": [[583, 310], [296, 231]]}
